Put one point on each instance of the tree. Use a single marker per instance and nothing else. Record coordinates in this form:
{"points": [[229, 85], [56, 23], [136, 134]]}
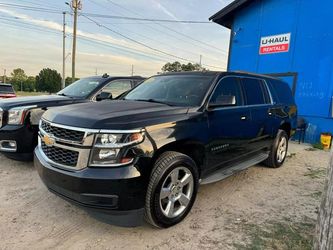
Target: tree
{"points": [[48, 80], [69, 81], [192, 67], [30, 84], [324, 228], [172, 67], [178, 67], [18, 77]]}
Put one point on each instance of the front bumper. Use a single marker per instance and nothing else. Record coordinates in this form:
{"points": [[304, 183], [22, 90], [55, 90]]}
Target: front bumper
{"points": [[24, 136], [115, 195]]}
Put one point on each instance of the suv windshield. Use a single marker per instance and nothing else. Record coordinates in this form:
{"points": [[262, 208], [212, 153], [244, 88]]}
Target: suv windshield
{"points": [[177, 90], [82, 87]]}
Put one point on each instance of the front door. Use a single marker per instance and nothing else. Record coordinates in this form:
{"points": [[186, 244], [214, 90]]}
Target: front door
{"points": [[227, 124]]}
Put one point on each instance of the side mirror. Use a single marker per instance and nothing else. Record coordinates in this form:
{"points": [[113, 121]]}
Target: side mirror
{"points": [[223, 101], [103, 96]]}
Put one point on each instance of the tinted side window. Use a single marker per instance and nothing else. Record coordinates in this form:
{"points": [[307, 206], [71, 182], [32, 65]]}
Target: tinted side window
{"points": [[255, 91], [283, 91], [228, 86], [117, 87]]}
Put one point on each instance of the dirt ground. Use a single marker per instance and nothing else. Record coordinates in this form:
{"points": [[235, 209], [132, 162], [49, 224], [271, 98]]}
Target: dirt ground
{"points": [[259, 208]]}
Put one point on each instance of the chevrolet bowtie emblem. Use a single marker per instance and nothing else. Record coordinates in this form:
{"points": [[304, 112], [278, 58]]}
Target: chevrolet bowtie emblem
{"points": [[49, 141]]}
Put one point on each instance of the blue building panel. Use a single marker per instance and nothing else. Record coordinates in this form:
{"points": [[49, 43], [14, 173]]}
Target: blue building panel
{"points": [[307, 64]]}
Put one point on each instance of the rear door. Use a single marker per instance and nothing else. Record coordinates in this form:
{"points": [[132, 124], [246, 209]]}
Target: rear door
{"points": [[259, 102]]}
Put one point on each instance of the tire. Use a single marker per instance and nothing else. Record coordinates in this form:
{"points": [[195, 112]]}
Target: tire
{"points": [[179, 193], [276, 158]]}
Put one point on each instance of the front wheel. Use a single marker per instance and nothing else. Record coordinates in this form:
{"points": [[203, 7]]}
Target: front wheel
{"points": [[279, 150], [172, 189]]}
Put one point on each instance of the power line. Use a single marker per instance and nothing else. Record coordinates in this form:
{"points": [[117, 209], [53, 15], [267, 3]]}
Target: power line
{"points": [[31, 8], [143, 44], [140, 43], [142, 19], [17, 26], [174, 31], [91, 40], [151, 38], [209, 46], [145, 19], [106, 16], [95, 42]]}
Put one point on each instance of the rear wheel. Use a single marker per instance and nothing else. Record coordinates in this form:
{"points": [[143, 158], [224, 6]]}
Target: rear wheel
{"points": [[278, 151], [172, 189]]}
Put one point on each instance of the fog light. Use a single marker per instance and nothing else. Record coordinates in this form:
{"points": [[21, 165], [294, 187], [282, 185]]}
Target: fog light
{"points": [[8, 146], [107, 153]]}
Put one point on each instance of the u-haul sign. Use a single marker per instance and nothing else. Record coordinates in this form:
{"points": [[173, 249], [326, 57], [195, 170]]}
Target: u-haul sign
{"points": [[275, 44]]}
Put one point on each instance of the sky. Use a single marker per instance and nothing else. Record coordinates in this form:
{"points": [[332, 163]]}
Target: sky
{"points": [[32, 39]]}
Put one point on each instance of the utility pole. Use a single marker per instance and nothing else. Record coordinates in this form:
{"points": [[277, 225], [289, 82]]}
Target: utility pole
{"points": [[76, 5], [132, 70], [64, 50], [4, 76], [95, 71], [200, 61]]}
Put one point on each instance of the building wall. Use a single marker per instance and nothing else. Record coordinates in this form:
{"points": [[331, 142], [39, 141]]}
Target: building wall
{"points": [[310, 54]]}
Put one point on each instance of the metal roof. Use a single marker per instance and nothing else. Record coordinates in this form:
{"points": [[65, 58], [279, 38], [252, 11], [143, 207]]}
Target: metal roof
{"points": [[225, 16]]}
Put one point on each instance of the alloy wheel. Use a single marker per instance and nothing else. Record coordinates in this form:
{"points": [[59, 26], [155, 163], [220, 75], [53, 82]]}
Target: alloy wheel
{"points": [[176, 192], [281, 150]]}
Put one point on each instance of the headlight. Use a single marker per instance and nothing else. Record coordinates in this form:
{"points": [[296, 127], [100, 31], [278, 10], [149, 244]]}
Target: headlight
{"points": [[16, 115], [110, 149]]}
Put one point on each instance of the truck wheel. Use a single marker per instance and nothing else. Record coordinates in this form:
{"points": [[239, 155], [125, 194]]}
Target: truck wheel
{"points": [[172, 189], [278, 151]]}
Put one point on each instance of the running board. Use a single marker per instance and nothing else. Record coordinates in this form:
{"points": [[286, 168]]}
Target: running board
{"points": [[226, 172]]}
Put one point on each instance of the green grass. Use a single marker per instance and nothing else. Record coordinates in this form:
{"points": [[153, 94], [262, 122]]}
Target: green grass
{"points": [[318, 146], [23, 93], [315, 173], [279, 235], [316, 195]]}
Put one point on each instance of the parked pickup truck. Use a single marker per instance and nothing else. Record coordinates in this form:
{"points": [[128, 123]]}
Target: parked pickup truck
{"points": [[19, 117], [148, 153]]}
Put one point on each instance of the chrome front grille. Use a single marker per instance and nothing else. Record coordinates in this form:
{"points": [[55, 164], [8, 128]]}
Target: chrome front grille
{"points": [[65, 147], [62, 133], [60, 155]]}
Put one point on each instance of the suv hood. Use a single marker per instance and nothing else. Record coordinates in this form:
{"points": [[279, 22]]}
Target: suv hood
{"points": [[39, 101], [118, 115]]}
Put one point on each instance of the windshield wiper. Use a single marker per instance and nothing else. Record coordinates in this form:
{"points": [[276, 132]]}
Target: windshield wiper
{"points": [[152, 100]]}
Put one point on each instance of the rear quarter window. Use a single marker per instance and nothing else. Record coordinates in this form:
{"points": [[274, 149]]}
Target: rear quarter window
{"points": [[282, 92]]}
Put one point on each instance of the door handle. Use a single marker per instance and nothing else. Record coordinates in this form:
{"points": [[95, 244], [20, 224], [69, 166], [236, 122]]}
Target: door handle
{"points": [[243, 118]]}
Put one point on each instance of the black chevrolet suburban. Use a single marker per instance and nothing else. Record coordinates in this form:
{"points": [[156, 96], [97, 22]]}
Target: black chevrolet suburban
{"points": [[19, 117], [145, 155]]}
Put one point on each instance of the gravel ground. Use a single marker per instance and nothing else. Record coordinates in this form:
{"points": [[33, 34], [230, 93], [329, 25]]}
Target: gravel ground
{"points": [[33, 218]]}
